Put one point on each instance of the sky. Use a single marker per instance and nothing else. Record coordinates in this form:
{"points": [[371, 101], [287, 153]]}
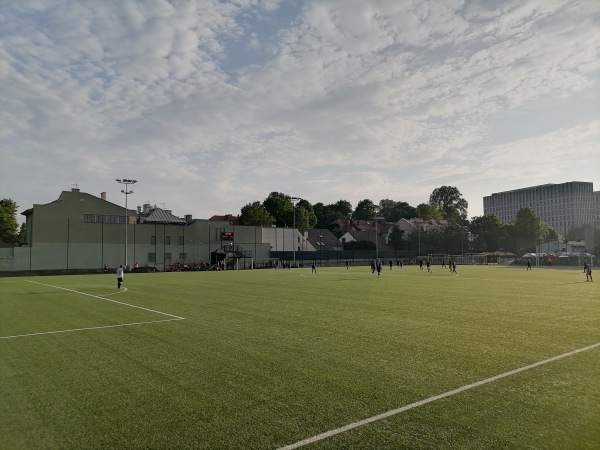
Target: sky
{"points": [[211, 105]]}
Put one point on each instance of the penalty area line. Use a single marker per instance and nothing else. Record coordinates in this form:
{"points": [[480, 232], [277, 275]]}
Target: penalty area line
{"points": [[393, 412], [88, 328], [110, 300]]}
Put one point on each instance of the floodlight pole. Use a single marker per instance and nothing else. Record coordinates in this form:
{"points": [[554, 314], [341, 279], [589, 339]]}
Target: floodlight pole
{"points": [[294, 200], [320, 250], [376, 218], [126, 191]]}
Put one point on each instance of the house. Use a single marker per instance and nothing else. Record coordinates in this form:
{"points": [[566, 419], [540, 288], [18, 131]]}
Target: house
{"points": [[320, 239], [233, 220], [407, 226]]}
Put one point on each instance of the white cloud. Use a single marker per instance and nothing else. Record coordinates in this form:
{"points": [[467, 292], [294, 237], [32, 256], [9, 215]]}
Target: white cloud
{"points": [[350, 99]]}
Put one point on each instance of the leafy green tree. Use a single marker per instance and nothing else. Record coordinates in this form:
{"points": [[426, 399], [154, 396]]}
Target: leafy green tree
{"points": [[325, 214], [343, 208], [280, 207], [427, 211], [365, 210], [393, 211], [8, 221], [527, 230], [305, 215], [404, 211], [488, 233], [23, 233], [450, 202], [255, 214], [387, 209], [395, 238]]}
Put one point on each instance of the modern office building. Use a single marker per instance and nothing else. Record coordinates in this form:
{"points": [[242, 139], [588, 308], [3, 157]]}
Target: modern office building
{"points": [[561, 206]]}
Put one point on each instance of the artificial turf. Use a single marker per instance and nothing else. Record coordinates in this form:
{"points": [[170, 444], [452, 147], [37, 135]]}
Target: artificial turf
{"points": [[266, 358]]}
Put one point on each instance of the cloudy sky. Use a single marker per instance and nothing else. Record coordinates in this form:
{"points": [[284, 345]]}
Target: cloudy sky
{"points": [[212, 104]]}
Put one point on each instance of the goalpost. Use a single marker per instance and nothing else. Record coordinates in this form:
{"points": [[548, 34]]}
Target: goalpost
{"points": [[476, 258], [438, 257]]}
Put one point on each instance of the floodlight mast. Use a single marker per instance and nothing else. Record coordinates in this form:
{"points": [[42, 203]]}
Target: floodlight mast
{"points": [[294, 200], [376, 218], [126, 191]]}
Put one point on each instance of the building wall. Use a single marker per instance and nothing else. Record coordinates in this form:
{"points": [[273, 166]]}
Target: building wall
{"points": [[284, 239], [562, 206], [62, 235]]}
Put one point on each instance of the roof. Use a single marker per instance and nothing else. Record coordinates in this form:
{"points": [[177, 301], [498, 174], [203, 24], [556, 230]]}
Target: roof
{"points": [[317, 236], [360, 225], [233, 220], [157, 215]]}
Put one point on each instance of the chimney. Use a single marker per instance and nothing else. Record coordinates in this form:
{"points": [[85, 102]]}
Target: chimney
{"points": [[188, 218], [103, 195]]}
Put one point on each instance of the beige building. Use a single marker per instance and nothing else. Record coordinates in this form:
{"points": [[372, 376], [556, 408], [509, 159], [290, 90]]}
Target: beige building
{"points": [[83, 232]]}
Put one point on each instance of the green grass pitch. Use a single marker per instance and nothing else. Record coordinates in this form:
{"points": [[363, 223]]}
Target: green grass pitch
{"points": [[269, 358]]}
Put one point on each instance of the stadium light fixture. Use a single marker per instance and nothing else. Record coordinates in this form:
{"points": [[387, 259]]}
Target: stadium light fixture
{"points": [[294, 201], [126, 191]]}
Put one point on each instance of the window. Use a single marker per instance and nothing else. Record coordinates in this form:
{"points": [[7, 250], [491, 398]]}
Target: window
{"points": [[168, 255], [183, 256], [151, 257], [100, 218]]}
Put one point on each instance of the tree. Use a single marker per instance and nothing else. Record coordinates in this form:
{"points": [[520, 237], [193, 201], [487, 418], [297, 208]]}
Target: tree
{"points": [[427, 211], [8, 221], [255, 214], [395, 238], [393, 211], [387, 209], [488, 233], [305, 215], [23, 233], [325, 214], [343, 208], [450, 202], [365, 210], [280, 207], [527, 230]]}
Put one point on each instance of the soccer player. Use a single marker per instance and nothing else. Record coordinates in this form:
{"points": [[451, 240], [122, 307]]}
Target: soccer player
{"points": [[379, 265], [120, 271], [529, 264], [428, 264], [588, 272], [313, 268], [444, 263]]}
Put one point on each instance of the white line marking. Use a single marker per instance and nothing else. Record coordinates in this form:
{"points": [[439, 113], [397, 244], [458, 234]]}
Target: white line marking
{"points": [[393, 412], [109, 300], [88, 328]]}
